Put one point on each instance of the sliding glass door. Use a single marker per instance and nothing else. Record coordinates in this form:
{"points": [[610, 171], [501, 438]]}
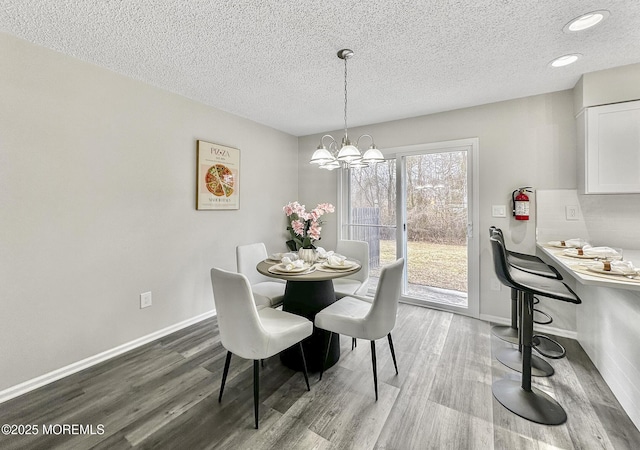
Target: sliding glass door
{"points": [[419, 204]]}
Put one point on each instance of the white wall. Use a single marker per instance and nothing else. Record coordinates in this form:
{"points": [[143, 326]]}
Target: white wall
{"points": [[97, 204], [523, 142]]}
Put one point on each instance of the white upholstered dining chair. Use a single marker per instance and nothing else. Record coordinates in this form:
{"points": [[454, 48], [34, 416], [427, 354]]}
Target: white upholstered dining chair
{"points": [[355, 284], [253, 333], [266, 291], [362, 319]]}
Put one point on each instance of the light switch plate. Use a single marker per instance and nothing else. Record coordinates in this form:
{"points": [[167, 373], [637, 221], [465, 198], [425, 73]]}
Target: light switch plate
{"points": [[498, 211]]}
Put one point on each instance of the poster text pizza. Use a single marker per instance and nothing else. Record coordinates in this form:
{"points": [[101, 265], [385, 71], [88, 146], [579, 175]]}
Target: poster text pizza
{"points": [[220, 152]]}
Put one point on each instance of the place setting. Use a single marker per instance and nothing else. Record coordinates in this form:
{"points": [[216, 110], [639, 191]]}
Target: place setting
{"points": [[276, 258], [569, 243], [580, 249], [290, 266], [589, 252], [623, 270], [334, 262]]}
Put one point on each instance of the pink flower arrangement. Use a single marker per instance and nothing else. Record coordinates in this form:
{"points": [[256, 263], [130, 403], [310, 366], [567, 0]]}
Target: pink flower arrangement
{"points": [[305, 226]]}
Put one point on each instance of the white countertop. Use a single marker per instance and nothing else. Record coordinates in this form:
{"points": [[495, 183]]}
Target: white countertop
{"points": [[611, 281]]}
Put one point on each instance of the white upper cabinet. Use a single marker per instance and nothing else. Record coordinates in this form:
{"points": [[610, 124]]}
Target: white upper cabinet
{"points": [[609, 149]]}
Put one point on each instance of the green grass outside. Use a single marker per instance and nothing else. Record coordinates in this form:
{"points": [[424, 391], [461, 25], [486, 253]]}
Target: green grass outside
{"points": [[428, 264]]}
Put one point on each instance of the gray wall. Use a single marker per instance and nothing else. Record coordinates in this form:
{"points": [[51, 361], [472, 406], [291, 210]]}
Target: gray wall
{"points": [[523, 142], [97, 204]]}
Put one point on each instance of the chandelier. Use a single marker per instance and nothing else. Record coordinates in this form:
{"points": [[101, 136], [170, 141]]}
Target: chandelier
{"points": [[346, 155]]}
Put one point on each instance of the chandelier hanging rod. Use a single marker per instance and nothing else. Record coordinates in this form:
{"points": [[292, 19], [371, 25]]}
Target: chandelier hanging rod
{"points": [[348, 156]]}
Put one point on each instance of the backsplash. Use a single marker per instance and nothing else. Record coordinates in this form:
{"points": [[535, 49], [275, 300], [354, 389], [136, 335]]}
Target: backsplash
{"points": [[612, 220], [551, 219]]}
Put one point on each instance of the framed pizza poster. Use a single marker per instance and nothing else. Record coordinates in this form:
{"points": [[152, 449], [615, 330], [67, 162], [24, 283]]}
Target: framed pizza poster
{"points": [[218, 177]]}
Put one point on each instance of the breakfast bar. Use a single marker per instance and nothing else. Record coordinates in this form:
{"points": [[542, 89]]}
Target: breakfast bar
{"points": [[607, 323]]}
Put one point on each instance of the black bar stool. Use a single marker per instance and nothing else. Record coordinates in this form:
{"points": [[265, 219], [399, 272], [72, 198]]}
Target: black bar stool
{"points": [[527, 263], [510, 357], [523, 399]]}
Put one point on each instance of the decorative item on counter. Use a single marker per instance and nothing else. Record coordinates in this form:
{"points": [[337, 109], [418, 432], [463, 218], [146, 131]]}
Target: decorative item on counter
{"points": [[593, 252], [612, 267], [569, 243]]}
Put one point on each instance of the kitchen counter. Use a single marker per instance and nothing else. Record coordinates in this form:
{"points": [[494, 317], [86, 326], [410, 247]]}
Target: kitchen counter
{"points": [[607, 324], [554, 257]]}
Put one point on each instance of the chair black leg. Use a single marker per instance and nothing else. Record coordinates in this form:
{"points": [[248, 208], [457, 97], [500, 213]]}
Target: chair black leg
{"points": [[304, 366], [256, 389], [375, 368], [227, 362], [354, 343], [262, 363], [393, 353], [326, 354]]}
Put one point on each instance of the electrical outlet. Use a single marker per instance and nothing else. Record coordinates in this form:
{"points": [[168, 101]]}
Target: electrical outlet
{"points": [[496, 285], [145, 300], [571, 212], [498, 211]]}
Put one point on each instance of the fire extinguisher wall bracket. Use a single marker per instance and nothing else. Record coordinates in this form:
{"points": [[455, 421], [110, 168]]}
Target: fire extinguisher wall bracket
{"points": [[520, 203]]}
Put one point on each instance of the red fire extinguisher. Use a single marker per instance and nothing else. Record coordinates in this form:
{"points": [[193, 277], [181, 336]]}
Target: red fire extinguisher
{"points": [[520, 203]]}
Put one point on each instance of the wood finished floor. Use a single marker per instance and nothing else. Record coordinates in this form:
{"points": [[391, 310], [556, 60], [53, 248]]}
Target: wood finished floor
{"points": [[164, 395]]}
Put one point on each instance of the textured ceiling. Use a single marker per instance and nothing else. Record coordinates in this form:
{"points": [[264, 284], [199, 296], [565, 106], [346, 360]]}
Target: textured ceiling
{"points": [[275, 61]]}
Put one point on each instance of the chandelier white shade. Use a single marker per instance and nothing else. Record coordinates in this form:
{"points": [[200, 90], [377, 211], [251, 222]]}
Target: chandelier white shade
{"points": [[347, 155]]}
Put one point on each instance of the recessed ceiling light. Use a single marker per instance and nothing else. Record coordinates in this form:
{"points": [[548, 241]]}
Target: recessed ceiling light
{"points": [[586, 21], [565, 60]]}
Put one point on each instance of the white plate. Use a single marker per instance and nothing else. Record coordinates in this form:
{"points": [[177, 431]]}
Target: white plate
{"points": [[279, 268], [558, 244], [610, 272], [578, 256], [346, 266]]}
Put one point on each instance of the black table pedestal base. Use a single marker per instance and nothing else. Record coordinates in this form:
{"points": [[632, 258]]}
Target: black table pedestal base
{"points": [[307, 298]]}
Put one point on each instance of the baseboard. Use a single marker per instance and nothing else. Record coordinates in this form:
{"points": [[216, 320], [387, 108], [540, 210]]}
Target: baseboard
{"points": [[57, 374], [540, 328]]}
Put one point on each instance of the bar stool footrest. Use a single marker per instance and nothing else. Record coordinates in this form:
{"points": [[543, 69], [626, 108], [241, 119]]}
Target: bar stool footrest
{"points": [[535, 405], [548, 320], [548, 347]]}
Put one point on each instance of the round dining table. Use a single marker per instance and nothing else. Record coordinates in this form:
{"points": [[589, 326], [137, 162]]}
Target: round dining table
{"points": [[307, 294]]}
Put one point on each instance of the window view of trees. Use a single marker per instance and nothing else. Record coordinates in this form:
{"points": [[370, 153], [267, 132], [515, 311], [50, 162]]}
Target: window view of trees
{"points": [[436, 213], [374, 187], [437, 198]]}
